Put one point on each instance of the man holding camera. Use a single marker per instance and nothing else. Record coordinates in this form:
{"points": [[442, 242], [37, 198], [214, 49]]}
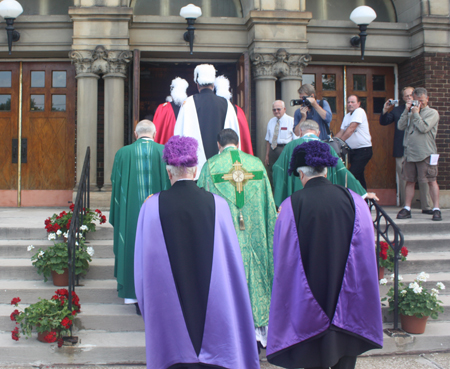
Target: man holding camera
{"points": [[420, 124], [279, 133], [392, 115], [317, 110], [355, 131]]}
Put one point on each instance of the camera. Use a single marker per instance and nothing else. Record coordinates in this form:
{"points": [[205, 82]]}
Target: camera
{"points": [[393, 102], [415, 103], [302, 102]]}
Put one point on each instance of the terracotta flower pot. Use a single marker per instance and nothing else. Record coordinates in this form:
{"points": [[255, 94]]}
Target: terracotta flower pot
{"points": [[61, 279], [380, 273], [41, 335], [412, 324]]}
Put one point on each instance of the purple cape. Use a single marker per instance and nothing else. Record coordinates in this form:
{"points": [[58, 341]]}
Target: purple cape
{"points": [[295, 315], [229, 337]]}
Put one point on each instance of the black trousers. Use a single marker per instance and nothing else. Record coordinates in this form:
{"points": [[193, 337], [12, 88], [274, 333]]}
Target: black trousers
{"points": [[358, 161], [346, 362]]}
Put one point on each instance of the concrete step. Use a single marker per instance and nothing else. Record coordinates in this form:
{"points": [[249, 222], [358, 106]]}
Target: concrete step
{"points": [[103, 232], [15, 249], [425, 261], [430, 283], [427, 242], [91, 292], [388, 317], [420, 224], [103, 317], [22, 269], [108, 348]]}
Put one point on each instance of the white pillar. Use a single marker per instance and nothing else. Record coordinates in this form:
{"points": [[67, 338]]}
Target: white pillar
{"points": [[114, 122], [87, 100], [289, 91], [265, 96]]}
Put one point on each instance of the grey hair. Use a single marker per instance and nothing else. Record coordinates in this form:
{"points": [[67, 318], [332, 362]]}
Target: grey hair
{"points": [[311, 172], [179, 172], [281, 101], [420, 91], [145, 127], [310, 125]]}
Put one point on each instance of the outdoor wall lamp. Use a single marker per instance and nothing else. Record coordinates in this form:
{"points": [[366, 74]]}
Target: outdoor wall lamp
{"points": [[10, 10], [362, 16], [190, 13]]}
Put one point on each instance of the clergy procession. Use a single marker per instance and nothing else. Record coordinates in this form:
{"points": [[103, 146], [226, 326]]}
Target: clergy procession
{"points": [[224, 267]]}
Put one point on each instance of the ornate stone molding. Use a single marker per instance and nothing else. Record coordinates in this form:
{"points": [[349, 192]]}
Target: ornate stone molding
{"points": [[101, 61], [280, 64]]}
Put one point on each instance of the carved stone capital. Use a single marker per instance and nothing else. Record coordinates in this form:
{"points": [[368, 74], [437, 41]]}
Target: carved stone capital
{"points": [[280, 64], [101, 61]]}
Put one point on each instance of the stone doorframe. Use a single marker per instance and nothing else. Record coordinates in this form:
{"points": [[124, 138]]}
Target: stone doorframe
{"points": [[267, 68], [90, 65]]}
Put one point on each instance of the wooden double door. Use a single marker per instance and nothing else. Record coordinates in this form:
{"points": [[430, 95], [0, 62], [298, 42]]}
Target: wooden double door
{"points": [[37, 115], [373, 85]]}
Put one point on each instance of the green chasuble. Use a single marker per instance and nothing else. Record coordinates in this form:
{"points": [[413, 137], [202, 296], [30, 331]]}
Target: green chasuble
{"points": [[138, 172], [285, 185], [241, 180]]}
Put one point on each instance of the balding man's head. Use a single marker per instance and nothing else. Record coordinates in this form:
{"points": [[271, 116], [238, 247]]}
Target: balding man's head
{"points": [[145, 128], [309, 126]]}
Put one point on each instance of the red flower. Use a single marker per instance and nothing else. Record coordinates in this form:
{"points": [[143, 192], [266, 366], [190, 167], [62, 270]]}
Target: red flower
{"points": [[62, 291], [71, 207], [384, 245], [15, 334], [98, 211], [60, 342], [15, 300], [14, 314], [383, 254], [47, 222], [103, 219], [51, 337], [74, 312], [404, 251], [66, 323], [68, 223]]}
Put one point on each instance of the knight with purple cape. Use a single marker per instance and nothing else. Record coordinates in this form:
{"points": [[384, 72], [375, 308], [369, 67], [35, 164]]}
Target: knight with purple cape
{"points": [[325, 308], [189, 275]]}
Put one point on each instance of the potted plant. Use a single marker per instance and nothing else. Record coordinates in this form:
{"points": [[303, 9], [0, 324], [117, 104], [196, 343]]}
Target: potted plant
{"points": [[386, 258], [51, 319], [415, 303], [59, 224], [55, 259]]}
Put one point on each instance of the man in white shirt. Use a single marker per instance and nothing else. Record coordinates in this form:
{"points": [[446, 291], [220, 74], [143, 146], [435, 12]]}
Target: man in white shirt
{"points": [[355, 132], [280, 131]]}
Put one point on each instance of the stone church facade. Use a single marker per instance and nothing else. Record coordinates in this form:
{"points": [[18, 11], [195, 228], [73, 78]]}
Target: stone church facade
{"points": [[85, 71]]}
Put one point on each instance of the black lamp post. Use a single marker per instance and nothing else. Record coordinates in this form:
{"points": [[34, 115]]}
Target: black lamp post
{"points": [[362, 16], [190, 13], [10, 10]]}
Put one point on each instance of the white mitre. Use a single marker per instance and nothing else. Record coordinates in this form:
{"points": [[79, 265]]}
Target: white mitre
{"points": [[222, 86], [178, 89], [204, 74]]}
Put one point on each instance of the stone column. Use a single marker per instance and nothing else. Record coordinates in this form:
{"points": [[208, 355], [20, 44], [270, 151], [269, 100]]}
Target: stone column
{"points": [[114, 109], [266, 69], [87, 101], [289, 91]]}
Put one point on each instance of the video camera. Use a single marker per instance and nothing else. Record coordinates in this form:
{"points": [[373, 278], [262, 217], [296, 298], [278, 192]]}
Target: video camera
{"points": [[302, 102]]}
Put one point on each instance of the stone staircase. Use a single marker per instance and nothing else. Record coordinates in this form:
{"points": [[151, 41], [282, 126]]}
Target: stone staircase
{"points": [[111, 333]]}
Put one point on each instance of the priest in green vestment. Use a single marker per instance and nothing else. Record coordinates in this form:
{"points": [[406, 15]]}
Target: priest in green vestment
{"points": [[241, 180], [285, 185], [138, 172]]}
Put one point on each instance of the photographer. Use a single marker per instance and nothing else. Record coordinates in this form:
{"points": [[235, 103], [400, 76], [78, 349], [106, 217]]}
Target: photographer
{"points": [[317, 110], [420, 124], [391, 115]]}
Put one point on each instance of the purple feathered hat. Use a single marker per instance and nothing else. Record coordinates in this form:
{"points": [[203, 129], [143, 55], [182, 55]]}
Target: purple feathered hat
{"points": [[315, 154], [181, 152]]}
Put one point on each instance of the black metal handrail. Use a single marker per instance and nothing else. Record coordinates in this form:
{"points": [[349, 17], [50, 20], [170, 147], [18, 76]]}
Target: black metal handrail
{"points": [[81, 205], [393, 236]]}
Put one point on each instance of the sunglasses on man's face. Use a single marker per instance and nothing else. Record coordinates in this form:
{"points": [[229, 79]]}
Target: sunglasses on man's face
{"points": [[278, 109]]}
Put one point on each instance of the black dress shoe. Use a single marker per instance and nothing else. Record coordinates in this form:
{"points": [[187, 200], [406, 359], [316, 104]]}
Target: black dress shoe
{"points": [[436, 215], [428, 211], [404, 214], [138, 311]]}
